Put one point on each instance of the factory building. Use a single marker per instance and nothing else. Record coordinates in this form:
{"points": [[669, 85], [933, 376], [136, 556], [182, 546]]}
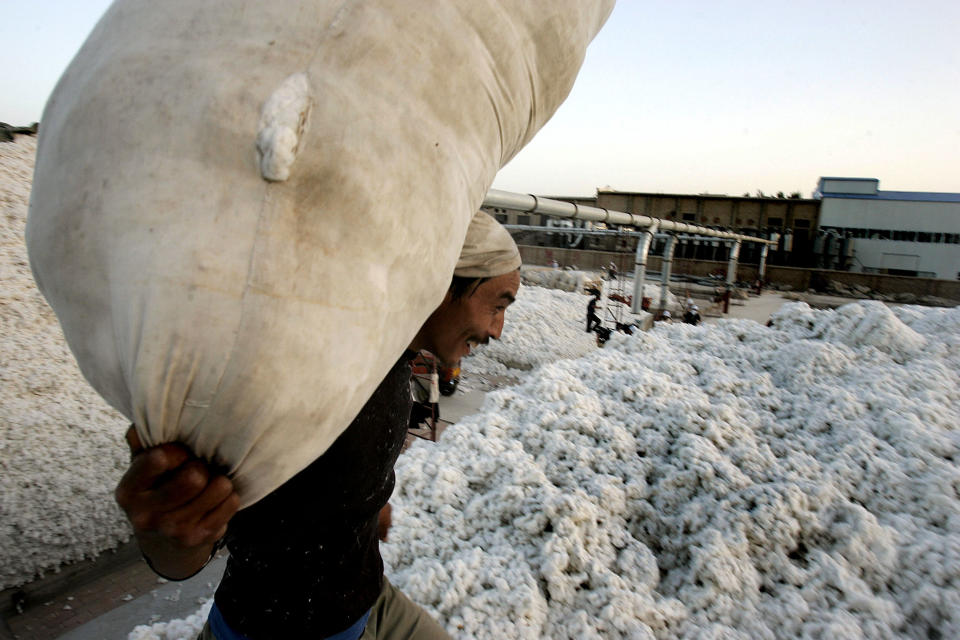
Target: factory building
{"points": [[908, 233], [849, 225]]}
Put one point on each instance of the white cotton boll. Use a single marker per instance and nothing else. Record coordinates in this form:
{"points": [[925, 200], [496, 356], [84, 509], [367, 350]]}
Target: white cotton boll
{"points": [[578, 624], [835, 624], [638, 566], [180, 630], [874, 324], [185, 629], [282, 123], [865, 545], [940, 326], [142, 632], [724, 565], [812, 363], [572, 281], [858, 325]]}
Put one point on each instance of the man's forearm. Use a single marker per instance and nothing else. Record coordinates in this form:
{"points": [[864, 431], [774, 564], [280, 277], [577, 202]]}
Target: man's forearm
{"points": [[170, 560]]}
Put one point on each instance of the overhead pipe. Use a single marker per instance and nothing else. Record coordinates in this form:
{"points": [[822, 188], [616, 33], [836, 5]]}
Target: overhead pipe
{"points": [[577, 231], [528, 203], [667, 264], [640, 267]]}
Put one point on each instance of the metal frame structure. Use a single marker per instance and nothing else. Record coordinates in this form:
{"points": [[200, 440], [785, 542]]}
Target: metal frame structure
{"points": [[652, 227]]}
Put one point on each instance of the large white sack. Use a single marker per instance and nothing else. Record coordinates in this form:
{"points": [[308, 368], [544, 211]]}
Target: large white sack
{"points": [[243, 211]]}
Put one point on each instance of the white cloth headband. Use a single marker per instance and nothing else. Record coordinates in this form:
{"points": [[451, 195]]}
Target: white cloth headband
{"points": [[488, 250]]}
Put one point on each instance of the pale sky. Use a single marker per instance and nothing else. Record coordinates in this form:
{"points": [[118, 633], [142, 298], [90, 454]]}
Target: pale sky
{"points": [[685, 96]]}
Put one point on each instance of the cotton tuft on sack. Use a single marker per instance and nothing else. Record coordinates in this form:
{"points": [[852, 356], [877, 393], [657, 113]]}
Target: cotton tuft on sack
{"points": [[242, 212]]}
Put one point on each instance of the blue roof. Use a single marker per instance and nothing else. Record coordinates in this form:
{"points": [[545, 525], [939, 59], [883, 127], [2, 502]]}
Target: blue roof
{"points": [[909, 196]]}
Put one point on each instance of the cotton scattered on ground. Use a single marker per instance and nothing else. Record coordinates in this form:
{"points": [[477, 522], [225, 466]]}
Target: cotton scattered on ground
{"points": [[61, 447], [185, 629]]}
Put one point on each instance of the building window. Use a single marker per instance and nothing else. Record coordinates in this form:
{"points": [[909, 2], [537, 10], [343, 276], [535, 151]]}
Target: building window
{"points": [[801, 224], [775, 222], [902, 272], [689, 217], [523, 218], [501, 217], [923, 236]]}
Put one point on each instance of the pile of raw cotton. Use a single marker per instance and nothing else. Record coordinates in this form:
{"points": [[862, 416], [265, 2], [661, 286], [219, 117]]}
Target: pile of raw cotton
{"points": [[725, 481], [61, 446], [563, 280], [729, 480], [541, 326]]}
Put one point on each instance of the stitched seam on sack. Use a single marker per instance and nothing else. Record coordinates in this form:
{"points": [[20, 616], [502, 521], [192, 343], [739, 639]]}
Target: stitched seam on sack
{"points": [[264, 201]]}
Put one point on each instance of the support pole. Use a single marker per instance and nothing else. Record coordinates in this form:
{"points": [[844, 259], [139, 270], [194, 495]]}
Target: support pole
{"points": [[640, 266], [762, 271], [665, 269], [732, 265]]}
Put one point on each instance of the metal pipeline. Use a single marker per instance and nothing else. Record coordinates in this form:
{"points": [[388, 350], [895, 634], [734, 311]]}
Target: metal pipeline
{"points": [[528, 203]]}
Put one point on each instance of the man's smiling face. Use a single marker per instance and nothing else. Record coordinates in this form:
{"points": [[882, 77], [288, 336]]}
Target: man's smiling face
{"points": [[472, 319]]}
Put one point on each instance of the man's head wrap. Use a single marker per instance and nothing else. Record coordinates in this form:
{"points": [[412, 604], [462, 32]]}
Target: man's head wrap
{"points": [[488, 250]]}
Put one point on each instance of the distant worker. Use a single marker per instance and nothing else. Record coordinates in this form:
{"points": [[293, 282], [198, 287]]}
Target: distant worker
{"points": [[718, 297], [612, 271], [692, 316], [666, 316], [593, 320]]}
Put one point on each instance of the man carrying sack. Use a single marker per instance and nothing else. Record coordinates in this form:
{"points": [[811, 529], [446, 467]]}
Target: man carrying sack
{"points": [[305, 560]]}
